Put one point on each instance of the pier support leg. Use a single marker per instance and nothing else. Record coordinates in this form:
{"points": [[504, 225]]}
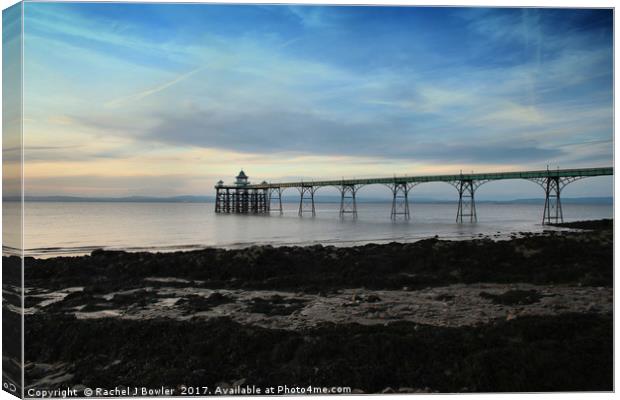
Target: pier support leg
{"points": [[275, 193], [348, 204], [400, 201], [227, 202], [244, 201], [253, 201], [467, 203], [219, 200], [553, 184], [257, 201], [553, 205], [265, 206], [306, 200]]}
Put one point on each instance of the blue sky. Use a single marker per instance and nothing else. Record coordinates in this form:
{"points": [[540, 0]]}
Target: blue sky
{"points": [[160, 99]]}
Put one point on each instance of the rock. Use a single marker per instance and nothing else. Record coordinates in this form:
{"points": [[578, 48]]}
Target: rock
{"points": [[387, 390], [239, 382], [513, 297], [372, 298], [78, 388], [444, 297]]}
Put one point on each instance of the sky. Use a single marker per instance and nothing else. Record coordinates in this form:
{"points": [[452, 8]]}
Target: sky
{"points": [[166, 99]]}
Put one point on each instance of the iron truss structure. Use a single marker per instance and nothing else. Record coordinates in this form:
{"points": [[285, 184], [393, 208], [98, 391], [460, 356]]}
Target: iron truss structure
{"points": [[265, 198]]}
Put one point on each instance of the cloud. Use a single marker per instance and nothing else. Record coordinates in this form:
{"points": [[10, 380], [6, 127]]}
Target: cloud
{"points": [[309, 133], [290, 42], [97, 32], [151, 91], [501, 87], [309, 108], [311, 17]]}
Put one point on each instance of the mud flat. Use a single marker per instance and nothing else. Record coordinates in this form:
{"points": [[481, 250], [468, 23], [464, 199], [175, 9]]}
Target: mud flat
{"points": [[533, 313]]}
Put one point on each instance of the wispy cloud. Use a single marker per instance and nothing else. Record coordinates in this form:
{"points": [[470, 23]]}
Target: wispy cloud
{"points": [[312, 17], [151, 91]]}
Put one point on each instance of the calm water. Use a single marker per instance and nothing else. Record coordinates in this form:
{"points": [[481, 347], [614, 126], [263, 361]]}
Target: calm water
{"points": [[76, 228]]}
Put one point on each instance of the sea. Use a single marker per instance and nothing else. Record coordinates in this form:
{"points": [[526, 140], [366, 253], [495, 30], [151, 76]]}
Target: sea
{"points": [[75, 228]]}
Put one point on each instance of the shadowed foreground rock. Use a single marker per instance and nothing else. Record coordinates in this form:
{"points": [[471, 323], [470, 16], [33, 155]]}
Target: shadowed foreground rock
{"points": [[512, 351], [560, 353]]}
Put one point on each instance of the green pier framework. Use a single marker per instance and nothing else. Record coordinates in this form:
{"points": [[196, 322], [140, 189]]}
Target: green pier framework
{"points": [[243, 197]]}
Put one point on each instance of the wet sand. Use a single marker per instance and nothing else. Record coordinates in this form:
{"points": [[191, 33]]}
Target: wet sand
{"points": [[533, 313]]}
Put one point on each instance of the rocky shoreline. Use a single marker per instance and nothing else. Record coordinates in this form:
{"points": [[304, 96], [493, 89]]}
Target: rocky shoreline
{"points": [[533, 313]]}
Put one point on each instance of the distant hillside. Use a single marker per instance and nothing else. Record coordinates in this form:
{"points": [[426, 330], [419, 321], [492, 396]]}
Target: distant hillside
{"points": [[293, 199], [128, 199], [565, 200]]}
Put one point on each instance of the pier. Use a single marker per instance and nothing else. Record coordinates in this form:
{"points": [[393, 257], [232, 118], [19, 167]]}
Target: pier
{"points": [[242, 197]]}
